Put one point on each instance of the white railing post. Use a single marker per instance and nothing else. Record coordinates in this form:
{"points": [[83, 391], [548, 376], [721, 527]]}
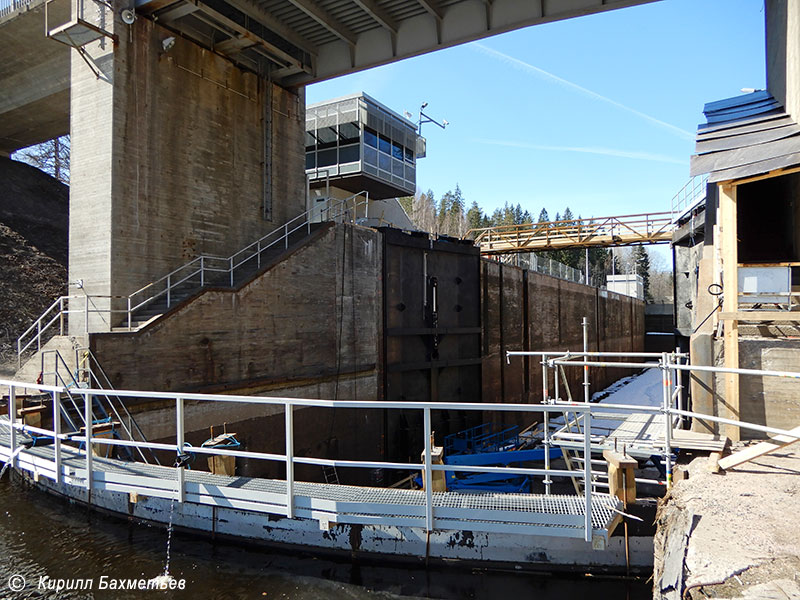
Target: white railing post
{"points": [[169, 289], [179, 436], [667, 418], [428, 471], [202, 271], [231, 267], [39, 334], [12, 417], [547, 480], [61, 315], [587, 472], [286, 235], [289, 418], [86, 314], [258, 254], [56, 434], [130, 318], [87, 416]]}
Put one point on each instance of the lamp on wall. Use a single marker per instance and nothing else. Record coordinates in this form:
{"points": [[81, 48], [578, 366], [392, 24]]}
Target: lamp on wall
{"points": [[167, 43]]}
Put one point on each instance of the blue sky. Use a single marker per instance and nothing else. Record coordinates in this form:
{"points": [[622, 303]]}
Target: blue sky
{"points": [[596, 113]]}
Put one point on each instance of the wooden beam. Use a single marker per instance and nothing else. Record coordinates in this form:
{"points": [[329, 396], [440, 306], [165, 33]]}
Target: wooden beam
{"points": [[730, 301], [753, 452], [621, 476], [770, 175]]}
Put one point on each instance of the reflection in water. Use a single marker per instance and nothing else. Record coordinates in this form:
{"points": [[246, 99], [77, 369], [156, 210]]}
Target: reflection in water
{"points": [[42, 536]]}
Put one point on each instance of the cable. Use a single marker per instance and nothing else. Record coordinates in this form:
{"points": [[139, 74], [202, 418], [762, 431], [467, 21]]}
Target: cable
{"points": [[717, 307]]}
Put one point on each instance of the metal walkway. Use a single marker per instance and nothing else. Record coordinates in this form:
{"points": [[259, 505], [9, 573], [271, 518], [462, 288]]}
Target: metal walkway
{"points": [[532, 514]]}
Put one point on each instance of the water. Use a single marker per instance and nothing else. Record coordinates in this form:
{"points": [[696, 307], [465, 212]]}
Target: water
{"points": [[43, 536], [10, 460]]}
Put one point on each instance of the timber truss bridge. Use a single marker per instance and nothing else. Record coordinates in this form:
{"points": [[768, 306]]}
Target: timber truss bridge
{"points": [[595, 232], [629, 230]]}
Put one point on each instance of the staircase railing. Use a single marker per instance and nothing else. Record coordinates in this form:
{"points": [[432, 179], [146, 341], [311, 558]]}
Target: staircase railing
{"points": [[108, 405], [202, 271]]}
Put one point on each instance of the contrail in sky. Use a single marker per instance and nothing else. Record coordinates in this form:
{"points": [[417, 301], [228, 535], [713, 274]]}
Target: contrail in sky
{"points": [[587, 150], [522, 65]]}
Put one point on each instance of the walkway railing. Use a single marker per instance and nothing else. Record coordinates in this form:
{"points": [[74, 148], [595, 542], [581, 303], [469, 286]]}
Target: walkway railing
{"points": [[203, 271], [9, 6], [652, 228], [689, 196], [172, 482]]}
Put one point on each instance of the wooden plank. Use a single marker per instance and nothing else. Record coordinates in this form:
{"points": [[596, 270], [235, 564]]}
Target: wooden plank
{"points": [[752, 452], [730, 303]]}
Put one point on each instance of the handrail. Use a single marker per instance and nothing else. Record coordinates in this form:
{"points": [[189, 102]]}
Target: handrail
{"points": [[594, 231], [670, 363], [60, 307], [689, 196]]}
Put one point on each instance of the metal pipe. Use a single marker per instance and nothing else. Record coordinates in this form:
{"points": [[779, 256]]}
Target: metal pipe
{"points": [[667, 419], [547, 480], [289, 418], [428, 471], [179, 439], [12, 416], [761, 372], [606, 364], [538, 353], [87, 407], [56, 436]]}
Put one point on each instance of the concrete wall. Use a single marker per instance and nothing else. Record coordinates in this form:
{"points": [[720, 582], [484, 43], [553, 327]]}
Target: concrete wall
{"points": [[170, 160], [313, 315], [783, 53], [34, 77], [526, 310]]}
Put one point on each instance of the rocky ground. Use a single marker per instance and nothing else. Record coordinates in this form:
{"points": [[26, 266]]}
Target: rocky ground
{"points": [[34, 226], [734, 534]]}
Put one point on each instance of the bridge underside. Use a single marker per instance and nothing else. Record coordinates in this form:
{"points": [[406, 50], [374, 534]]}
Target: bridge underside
{"points": [[303, 41]]}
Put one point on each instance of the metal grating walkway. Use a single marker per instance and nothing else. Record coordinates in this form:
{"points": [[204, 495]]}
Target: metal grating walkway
{"points": [[557, 515]]}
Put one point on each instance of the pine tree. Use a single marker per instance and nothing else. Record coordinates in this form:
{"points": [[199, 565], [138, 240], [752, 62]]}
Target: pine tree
{"points": [[642, 266], [475, 216]]}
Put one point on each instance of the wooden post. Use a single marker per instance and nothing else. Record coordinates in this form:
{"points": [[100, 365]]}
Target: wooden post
{"points": [[621, 476], [730, 302]]}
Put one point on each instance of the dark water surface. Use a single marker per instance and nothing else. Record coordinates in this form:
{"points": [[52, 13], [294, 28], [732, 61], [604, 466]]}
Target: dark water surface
{"points": [[43, 536]]}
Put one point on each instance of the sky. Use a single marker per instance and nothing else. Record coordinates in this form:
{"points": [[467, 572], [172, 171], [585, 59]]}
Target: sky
{"points": [[597, 113]]}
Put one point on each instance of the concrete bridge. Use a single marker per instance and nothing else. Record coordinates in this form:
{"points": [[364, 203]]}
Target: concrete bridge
{"points": [[187, 117]]}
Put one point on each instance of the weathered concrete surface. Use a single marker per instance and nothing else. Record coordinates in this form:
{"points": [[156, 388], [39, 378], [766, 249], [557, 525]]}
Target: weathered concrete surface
{"points": [[170, 160], [34, 77], [525, 310], [783, 53], [312, 316], [731, 535], [770, 401]]}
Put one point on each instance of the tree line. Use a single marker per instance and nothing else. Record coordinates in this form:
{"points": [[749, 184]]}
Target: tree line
{"points": [[449, 216]]}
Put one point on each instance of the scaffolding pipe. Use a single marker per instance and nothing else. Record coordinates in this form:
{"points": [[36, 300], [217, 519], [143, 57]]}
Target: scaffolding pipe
{"points": [[587, 439], [545, 399], [665, 383]]}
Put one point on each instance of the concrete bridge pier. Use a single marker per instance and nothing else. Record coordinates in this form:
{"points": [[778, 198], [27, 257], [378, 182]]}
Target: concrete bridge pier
{"points": [[176, 152]]}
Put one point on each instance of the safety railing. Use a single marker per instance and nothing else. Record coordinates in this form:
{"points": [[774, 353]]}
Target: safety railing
{"points": [[203, 271], [10, 6], [171, 483], [689, 196], [533, 262], [652, 228]]}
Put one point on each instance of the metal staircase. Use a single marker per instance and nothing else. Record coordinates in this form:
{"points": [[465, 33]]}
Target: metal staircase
{"points": [[128, 313], [108, 413]]}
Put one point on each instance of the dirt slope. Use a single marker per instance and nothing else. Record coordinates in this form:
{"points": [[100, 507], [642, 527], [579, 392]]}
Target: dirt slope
{"points": [[34, 232]]}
